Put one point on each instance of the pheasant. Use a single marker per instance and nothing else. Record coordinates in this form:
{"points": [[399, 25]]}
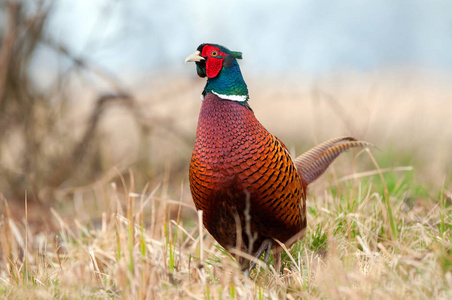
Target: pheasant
{"points": [[241, 176]]}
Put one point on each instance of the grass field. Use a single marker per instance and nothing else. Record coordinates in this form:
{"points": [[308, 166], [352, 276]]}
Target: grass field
{"points": [[379, 221]]}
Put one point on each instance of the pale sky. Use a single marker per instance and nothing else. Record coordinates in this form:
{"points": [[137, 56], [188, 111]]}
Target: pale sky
{"points": [[306, 37]]}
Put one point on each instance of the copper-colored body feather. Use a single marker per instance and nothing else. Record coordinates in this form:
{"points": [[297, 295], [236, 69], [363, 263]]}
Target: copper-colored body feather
{"points": [[240, 174], [240, 171]]}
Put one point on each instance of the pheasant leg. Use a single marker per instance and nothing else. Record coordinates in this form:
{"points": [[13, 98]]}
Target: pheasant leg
{"points": [[266, 247]]}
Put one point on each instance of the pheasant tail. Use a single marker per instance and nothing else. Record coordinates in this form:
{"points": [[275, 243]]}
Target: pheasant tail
{"points": [[314, 162]]}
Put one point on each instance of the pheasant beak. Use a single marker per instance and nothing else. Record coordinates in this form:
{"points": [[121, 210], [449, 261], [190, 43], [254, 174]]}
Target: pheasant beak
{"points": [[195, 57]]}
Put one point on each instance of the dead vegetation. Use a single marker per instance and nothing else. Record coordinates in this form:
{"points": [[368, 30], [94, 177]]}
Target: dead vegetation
{"points": [[143, 251]]}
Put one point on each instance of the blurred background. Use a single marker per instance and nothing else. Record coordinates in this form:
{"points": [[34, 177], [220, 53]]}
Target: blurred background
{"points": [[94, 92]]}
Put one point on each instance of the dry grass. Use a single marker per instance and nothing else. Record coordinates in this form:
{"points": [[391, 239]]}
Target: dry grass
{"points": [[144, 246]]}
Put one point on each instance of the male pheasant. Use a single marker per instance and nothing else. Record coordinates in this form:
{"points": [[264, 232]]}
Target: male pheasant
{"points": [[241, 176]]}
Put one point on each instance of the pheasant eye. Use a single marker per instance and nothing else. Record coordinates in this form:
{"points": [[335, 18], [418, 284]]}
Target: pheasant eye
{"points": [[214, 53]]}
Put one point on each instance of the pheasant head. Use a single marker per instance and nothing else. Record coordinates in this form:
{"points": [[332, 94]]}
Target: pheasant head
{"points": [[220, 66]]}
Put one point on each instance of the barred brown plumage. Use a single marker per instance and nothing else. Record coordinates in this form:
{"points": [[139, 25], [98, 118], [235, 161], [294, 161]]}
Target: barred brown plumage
{"points": [[313, 163]]}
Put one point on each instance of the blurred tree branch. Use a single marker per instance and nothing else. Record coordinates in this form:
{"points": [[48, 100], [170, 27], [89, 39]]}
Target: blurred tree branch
{"points": [[37, 153], [7, 46], [83, 64]]}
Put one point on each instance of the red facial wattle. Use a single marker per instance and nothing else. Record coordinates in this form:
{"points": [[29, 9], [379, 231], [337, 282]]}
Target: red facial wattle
{"points": [[214, 63]]}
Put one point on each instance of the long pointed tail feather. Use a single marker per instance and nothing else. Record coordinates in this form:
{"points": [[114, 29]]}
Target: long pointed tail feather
{"points": [[314, 162]]}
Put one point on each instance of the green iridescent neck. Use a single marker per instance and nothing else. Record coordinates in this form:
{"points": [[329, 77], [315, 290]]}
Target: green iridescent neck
{"points": [[229, 84]]}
